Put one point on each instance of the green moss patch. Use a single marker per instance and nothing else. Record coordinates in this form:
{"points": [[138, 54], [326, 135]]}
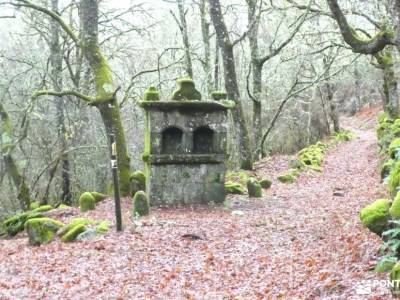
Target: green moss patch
{"points": [[73, 233], [186, 91], [41, 230], [234, 188], [254, 188], [287, 178], [376, 216], [265, 183], [393, 181], [87, 202], [141, 205], [151, 94], [138, 182], [98, 197], [16, 223]]}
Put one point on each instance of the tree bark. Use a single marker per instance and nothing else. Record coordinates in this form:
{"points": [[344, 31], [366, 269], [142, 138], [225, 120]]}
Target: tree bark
{"points": [[391, 99], [6, 146], [104, 85], [185, 38], [56, 59], [231, 84], [371, 46], [205, 33]]}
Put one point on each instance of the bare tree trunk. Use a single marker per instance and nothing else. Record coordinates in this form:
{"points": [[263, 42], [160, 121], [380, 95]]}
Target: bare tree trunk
{"points": [[391, 99], [231, 84], [333, 113], [104, 85], [216, 66], [56, 58], [185, 37], [253, 21], [205, 33], [6, 146]]}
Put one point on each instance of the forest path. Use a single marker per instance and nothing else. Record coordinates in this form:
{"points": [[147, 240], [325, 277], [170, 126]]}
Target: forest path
{"points": [[297, 242]]}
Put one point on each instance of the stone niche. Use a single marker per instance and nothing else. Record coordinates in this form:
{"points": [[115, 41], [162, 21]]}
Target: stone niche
{"points": [[185, 148]]}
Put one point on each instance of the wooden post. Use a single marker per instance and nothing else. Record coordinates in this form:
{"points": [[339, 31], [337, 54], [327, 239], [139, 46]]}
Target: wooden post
{"points": [[114, 168]]}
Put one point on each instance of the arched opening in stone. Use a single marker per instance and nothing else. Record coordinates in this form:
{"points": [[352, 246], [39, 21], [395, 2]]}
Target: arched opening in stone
{"points": [[172, 140], [203, 140]]}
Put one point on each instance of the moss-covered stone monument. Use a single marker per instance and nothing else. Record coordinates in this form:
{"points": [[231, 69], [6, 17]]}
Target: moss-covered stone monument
{"points": [[185, 148]]}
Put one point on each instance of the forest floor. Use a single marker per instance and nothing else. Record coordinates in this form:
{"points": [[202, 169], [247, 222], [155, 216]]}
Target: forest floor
{"points": [[297, 242]]}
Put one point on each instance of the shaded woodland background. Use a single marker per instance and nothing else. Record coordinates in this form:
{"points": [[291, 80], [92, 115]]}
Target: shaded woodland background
{"points": [[309, 76]]}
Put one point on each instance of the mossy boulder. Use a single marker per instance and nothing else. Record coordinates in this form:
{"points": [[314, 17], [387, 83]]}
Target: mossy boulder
{"points": [[394, 148], [395, 280], [138, 182], [87, 202], [63, 206], [141, 205], [287, 178], [265, 183], [234, 188], [313, 156], [376, 216], [393, 181], [73, 223], [240, 176], [254, 188], [386, 168], [15, 224], [43, 208], [73, 233], [34, 205], [219, 95], [103, 227], [98, 197], [186, 91], [41, 230], [151, 94], [394, 210], [344, 136]]}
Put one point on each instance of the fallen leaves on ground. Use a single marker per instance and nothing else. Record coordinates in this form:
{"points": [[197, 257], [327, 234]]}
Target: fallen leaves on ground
{"points": [[297, 242]]}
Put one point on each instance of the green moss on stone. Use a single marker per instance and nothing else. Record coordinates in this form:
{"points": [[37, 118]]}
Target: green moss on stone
{"points": [[98, 197], [43, 208], [395, 207], [74, 222], [394, 179], [240, 176], [265, 183], [344, 136], [395, 280], [151, 94], [254, 188], [394, 148], [287, 178], [87, 202], [138, 182], [73, 233], [34, 205], [103, 227], [141, 205], [313, 156], [41, 230], [186, 91], [219, 95], [376, 216], [234, 188], [16, 223], [386, 168]]}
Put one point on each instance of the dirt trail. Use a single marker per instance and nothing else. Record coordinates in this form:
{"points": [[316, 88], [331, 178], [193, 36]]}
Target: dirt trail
{"points": [[297, 242]]}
